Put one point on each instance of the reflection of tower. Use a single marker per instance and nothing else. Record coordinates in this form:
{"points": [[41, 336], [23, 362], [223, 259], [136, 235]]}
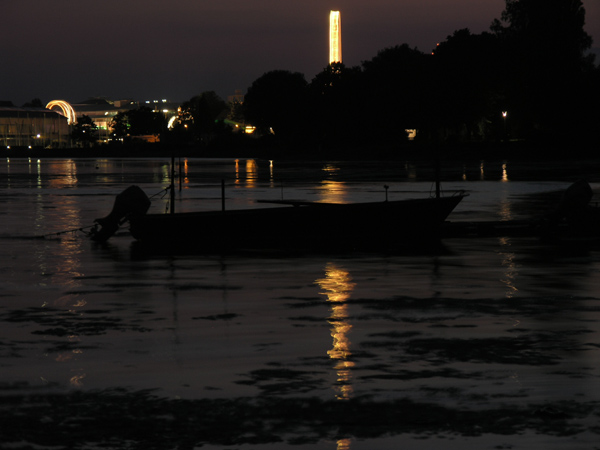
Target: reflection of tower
{"points": [[335, 37], [338, 286]]}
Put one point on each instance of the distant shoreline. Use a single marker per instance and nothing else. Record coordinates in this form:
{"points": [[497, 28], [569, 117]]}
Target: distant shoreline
{"points": [[411, 151]]}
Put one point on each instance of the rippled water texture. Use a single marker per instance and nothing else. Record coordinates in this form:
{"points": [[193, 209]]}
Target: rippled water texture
{"points": [[488, 342]]}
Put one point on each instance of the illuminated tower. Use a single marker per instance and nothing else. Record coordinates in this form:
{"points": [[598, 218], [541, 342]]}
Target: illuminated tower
{"points": [[335, 37]]}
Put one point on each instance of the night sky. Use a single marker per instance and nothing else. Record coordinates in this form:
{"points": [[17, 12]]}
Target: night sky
{"points": [[155, 49]]}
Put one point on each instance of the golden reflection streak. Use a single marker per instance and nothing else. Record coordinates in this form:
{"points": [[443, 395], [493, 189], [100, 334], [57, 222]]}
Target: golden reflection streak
{"points": [[333, 191], [505, 210], [186, 169], [504, 173], [330, 168], [344, 444], [251, 169], [251, 173], [338, 287]]}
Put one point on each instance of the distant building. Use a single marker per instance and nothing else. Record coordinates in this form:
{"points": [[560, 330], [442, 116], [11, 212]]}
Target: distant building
{"points": [[335, 37], [32, 127], [102, 111]]}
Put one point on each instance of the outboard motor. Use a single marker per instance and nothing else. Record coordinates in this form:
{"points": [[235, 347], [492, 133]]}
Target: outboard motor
{"points": [[132, 200]]}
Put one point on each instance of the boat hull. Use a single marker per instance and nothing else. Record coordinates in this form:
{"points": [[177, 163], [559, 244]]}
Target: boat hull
{"points": [[355, 225]]}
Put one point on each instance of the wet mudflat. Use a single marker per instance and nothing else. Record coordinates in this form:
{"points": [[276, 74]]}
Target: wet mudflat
{"points": [[492, 341]]}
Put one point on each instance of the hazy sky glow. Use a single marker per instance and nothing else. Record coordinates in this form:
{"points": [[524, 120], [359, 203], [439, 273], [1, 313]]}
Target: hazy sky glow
{"points": [[150, 49]]}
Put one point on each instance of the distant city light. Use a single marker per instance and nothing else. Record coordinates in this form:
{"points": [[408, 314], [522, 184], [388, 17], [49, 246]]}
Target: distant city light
{"points": [[411, 134]]}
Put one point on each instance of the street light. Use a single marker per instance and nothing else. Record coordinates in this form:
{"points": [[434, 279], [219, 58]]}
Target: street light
{"points": [[504, 114]]}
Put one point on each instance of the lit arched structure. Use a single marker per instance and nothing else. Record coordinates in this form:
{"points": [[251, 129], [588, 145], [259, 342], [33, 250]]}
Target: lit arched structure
{"points": [[66, 108]]}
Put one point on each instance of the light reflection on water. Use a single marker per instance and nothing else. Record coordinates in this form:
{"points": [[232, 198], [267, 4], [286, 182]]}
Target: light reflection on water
{"points": [[338, 287], [248, 176], [102, 319], [333, 192]]}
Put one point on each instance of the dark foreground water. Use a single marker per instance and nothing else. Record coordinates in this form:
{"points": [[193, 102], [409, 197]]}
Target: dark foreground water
{"points": [[492, 343]]}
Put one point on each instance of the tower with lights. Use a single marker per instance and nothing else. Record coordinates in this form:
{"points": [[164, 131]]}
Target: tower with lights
{"points": [[335, 37]]}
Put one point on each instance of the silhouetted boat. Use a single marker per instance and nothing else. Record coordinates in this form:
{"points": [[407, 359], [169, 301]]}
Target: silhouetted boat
{"points": [[291, 224], [575, 219]]}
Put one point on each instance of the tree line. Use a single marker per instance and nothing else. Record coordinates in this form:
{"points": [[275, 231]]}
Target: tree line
{"points": [[530, 77]]}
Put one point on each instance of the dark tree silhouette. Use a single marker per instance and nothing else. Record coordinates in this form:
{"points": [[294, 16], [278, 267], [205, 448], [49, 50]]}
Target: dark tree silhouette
{"points": [[277, 101], [546, 27], [468, 73], [34, 103], [84, 131], [120, 125], [534, 65], [398, 89], [144, 121], [546, 43], [336, 106], [199, 116]]}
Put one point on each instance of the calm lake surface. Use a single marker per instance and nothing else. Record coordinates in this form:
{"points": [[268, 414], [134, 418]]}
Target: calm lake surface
{"points": [[490, 342]]}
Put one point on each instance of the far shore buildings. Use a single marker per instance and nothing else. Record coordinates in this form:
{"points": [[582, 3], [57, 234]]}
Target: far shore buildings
{"points": [[32, 127], [102, 111], [49, 127]]}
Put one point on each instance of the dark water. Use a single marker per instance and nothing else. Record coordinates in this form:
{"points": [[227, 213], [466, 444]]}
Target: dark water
{"points": [[490, 342]]}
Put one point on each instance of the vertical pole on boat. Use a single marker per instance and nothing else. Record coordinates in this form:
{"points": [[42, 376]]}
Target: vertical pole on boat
{"points": [[222, 195], [180, 177], [172, 183]]}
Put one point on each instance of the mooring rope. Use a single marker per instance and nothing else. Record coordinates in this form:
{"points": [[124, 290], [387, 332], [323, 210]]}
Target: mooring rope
{"points": [[73, 231], [163, 192]]}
